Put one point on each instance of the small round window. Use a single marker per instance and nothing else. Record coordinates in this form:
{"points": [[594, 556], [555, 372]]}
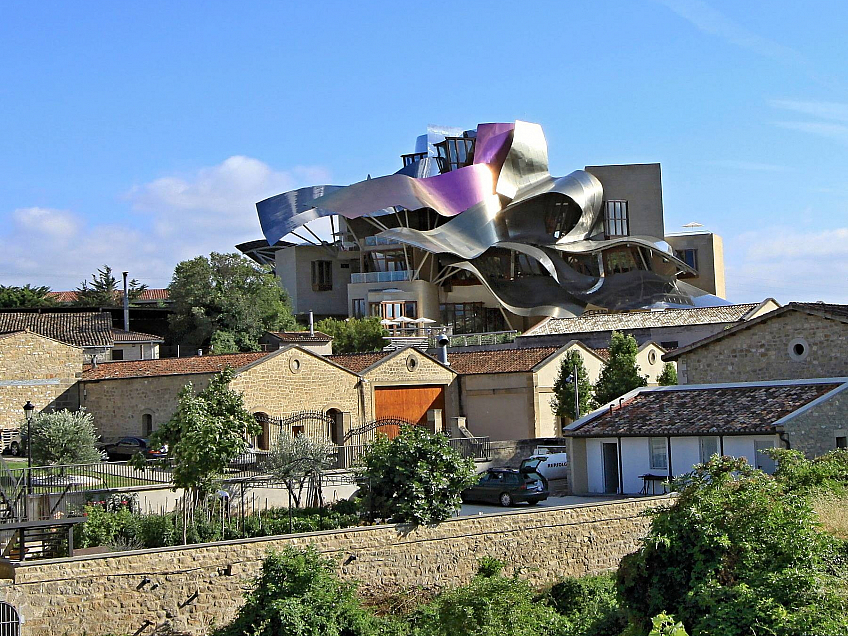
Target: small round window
{"points": [[799, 349], [652, 357], [411, 363], [294, 365]]}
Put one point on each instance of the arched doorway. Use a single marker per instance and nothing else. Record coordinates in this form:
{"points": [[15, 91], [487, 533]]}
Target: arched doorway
{"points": [[10, 620], [335, 432], [263, 440]]}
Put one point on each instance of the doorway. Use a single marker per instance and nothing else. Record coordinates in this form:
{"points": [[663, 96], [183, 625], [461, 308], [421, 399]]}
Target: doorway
{"points": [[610, 454]]}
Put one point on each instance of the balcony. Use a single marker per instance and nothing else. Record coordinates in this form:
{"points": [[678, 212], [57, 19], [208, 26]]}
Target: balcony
{"points": [[379, 240], [381, 277]]}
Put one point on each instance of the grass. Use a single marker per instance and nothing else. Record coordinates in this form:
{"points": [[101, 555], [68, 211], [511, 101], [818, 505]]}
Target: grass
{"points": [[833, 514]]}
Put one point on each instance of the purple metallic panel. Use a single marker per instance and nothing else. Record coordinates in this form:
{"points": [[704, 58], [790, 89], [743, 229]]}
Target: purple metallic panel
{"points": [[493, 144]]}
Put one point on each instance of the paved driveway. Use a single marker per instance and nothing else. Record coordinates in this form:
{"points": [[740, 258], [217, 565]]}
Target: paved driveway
{"points": [[469, 509]]}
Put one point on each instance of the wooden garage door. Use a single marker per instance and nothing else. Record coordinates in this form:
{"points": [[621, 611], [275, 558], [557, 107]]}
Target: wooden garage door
{"points": [[410, 403]]}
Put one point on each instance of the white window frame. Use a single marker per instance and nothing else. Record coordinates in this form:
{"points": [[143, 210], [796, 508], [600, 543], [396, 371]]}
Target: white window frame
{"points": [[654, 443]]}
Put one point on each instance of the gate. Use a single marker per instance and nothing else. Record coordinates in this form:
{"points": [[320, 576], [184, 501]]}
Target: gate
{"points": [[314, 424], [10, 622], [389, 426]]}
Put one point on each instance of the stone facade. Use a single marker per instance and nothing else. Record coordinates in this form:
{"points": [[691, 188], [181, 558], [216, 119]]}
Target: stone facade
{"points": [[39, 369], [816, 431], [190, 588], [765, 351]]}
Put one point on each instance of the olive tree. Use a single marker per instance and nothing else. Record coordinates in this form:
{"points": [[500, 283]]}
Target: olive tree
{"points": [[297, 459], [63, 437], [416, 477]]}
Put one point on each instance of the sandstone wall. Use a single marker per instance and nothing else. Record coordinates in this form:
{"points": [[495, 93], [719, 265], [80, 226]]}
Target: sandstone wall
{"points": [[763, 352], [191, 588], [37, 369], [815, 431]]}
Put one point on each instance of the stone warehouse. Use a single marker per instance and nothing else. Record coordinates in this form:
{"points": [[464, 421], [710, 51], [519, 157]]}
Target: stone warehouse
{"points": [[38, 369], [800, 340]]}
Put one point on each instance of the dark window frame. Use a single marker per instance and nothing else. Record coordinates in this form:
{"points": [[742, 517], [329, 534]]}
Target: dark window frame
{"points": [[616, 218], [322, 276]]}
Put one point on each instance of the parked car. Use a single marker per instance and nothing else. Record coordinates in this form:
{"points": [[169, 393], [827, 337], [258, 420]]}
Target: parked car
{"points": [[126, 447], [508, 486], [14, 443]]}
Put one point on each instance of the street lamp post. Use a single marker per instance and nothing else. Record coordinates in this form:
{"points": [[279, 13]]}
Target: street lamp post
{"points": [[29, 407]]}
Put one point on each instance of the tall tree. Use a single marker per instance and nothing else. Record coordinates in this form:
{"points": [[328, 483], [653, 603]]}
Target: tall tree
{"points": [[668, 377], [562, 404], [229, 298], [620, 373], [26, 296], [354, 335], [105, 290]]}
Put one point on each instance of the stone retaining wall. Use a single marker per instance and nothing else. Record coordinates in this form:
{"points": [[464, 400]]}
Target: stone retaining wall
{"points": [[193, 588]]}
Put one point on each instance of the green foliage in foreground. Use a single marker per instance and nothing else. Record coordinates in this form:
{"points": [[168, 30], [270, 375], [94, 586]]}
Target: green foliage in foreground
{"points": [[63, 437], [416, 477], [354, 335], [737, 554]]}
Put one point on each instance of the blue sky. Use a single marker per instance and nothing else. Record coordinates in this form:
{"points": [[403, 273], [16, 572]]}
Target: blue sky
{"points": [[140, 134]]}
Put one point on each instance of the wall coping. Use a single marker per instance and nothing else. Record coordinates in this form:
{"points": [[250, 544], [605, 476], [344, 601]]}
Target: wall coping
{"points": [[402, 528]]}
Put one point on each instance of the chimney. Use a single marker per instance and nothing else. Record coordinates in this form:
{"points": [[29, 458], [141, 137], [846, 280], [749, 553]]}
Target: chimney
{"points": [[311, 324], [126, 304], [442, 342]]}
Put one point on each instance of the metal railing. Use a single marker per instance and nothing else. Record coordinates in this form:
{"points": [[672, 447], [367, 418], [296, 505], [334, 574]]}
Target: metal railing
{"points": [[478, 339], [381, 277]]}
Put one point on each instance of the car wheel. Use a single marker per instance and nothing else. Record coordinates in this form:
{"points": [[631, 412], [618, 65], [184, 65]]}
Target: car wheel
{"points": [[15, 449], [506, 499]]}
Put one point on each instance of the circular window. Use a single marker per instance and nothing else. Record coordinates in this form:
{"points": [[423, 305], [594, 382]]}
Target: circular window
{"points": [[411, 363], [799, 349], [652, 357], [294, 365]]}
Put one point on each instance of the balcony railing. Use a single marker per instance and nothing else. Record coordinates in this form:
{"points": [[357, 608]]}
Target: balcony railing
{"points": [[381, 277], [380, 240]]}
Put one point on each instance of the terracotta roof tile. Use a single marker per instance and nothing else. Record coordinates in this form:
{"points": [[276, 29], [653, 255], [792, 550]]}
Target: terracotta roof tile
{"points": [[122, 337], [358, 362], [499, 360], [703, 411], [148, 295], [603, 321], [298, 337], [83, 329], [170, 366]]}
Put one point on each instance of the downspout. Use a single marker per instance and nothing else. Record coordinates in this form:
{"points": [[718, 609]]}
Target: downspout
{"points": [[781, 434], [620, 473], [721, 445], [670, 471]]}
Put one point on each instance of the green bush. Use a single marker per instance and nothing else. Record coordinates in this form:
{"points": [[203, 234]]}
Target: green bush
{"points": [[589, 606], [489, 566], [828, 473], [736, 554]]}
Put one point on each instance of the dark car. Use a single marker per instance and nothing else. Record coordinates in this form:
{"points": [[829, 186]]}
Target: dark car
{"points": [[126, 447], [507, 486]]}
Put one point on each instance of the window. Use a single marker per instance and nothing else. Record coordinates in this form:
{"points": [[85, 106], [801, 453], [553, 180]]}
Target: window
{"points": [[668, 345], [615, 219], [709, 447], [763, 461], [455, 153], [659, 453], [359, 308], [147, 424], [798, 349], [391, 310], [842, 442], [471, 318], [117, 354], [322, 275], [690, 257]]}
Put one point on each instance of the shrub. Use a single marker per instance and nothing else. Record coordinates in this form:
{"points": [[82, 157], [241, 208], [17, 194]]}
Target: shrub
{"points": [[488, 567], [828, 473], [589, 605]]}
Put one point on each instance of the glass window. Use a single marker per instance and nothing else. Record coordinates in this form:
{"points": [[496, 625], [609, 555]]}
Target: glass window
{"points": [[117, 354], [358, 307], [690, 257], [615, 219], [842, 442], [659, 453], [709, 447], [322, 275]]}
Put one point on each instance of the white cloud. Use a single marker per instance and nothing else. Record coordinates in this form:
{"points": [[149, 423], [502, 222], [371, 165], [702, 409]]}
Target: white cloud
{"points": [[788, 264], [178, 217], [712, 22], [734, 164], [837, 132], [824, 110]]}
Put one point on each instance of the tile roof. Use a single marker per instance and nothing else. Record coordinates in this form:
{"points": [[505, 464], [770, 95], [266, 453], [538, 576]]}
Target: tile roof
{"points": [[603, 321], [297, 337], [835, 312], [122, 337], [720, 409], [358, 362], [83, 329], [170, 366], [499, 360], [148, 295]]}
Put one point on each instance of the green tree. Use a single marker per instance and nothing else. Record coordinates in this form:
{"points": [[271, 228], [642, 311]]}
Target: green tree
{"points": [[294, 460], [26, 296], [416, 477], [562, 404], [208, 430], [298, 593], [668, 377], [620, 373], [226, 293], [354, 335], [63, 437], [105, 290], [736, 554]]}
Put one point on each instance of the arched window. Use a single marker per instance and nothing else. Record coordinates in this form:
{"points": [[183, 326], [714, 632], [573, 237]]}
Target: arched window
{"points": [[10, 621], [147, 426]]}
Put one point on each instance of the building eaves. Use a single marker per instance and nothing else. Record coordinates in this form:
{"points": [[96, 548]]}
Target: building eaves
{"points": [[192, 365], [83, 329], [833, 312], [516, 360], [127, 337], [301, 336]]}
